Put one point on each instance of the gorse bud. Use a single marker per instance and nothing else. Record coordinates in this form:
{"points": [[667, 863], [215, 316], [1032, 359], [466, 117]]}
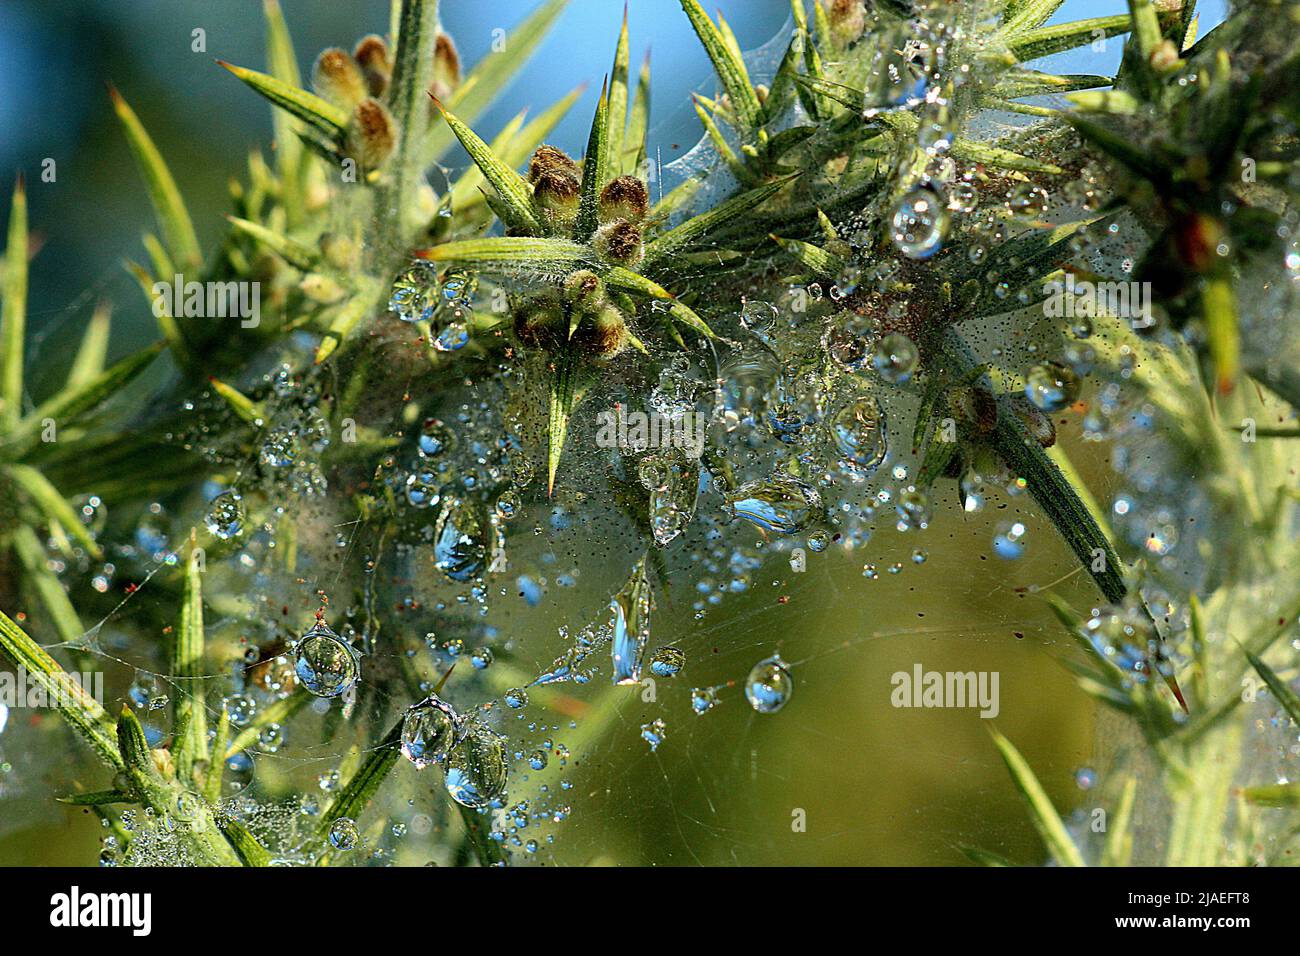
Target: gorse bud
{"points": [[1036, 422], [540, 322], [624, 198], [446, 68], [848, 20], [555, 194], [604, 335], [372, 133], [341, 252], [975, 406], [338, 78], [585, 291], [619, 242], [371, 54], [548, 159]]}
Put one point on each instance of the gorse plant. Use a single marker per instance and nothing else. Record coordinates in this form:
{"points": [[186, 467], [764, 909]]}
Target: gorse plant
{"points": [[904, 260]]}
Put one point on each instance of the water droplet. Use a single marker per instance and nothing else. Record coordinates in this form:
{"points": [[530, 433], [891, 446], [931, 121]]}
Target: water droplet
{"points": [[919, 222], [1051, 386], [429, 732], [344, 834], [435, 438], [1085, 778], [858, 429], [784, 505], [1009, 541], [631, 609], [476, 769], [414, 296], [460, 542], [422, 488], [225, 517], [654, 733], [326, 664], [896, 358], [516, 698], [769, 686], [703, 699], [452, 338], [668, 661], [280, 448]]}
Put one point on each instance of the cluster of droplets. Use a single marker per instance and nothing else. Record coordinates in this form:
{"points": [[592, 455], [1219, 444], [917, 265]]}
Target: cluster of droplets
{"points": [[445, 302]]}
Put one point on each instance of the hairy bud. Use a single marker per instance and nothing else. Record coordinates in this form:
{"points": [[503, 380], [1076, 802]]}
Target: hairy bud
{"points": [[620, 242], [555, 194], [548, 159], [337, 78], [585, 291], [848, 20], [604, 335], [624, 198], [540, 323], [446, 68], [372, 133], [371, 54]]}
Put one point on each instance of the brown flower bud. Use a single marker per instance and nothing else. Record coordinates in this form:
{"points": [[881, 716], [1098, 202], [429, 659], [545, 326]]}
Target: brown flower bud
{"points": [[1036, 422], [337, 78], [604, 335], [548, 159], [371, 54], [975, 406], [446, 68], [624, 198], [585, 291], [848, 20], [372, 133], [555, 194], [620, 242], [540, 323]]}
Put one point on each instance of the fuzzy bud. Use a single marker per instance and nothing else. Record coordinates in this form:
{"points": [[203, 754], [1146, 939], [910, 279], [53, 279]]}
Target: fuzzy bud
{"points": [[624, 198], [540, 323], [372, 133], [337, 77], [585, 291], [975, 406], [604, 335], [848, 20], [548, 159], [446, 68], [371, 54], [619, 242], [339, 251], [1036, 422], [555, 194]]}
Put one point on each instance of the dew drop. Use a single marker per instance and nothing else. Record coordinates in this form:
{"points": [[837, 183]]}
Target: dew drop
{"points": [[919, 222], [344, 834], [428, 732], [769, 686], [225, 517], [326, 665], [1051, 386], [668, 661], [476, 769]]}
